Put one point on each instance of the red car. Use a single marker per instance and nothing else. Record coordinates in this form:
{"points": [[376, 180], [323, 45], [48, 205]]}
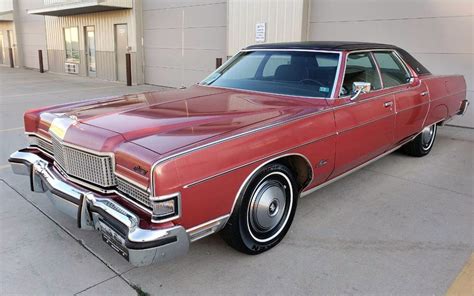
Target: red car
{"points": [[155, 171]]}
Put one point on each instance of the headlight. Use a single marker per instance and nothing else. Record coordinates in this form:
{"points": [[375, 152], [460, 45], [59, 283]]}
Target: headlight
{"points": [[165, 208]]}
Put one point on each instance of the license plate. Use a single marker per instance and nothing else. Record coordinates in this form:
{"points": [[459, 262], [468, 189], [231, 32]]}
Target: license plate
{"points": [[113, 239]]}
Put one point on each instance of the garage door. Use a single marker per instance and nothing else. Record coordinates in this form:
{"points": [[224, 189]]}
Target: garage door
{"points": [[182, 40]]}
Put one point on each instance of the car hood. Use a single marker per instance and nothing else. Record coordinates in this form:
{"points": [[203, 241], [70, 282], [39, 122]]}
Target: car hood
{"points": [[165, 121]]}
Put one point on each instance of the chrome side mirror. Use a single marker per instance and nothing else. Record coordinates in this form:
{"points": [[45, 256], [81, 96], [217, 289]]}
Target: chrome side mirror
{"points": [[358, 88]]}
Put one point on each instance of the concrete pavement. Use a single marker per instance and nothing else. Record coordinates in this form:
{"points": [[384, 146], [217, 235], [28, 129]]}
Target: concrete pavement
{"points": [[400, 226]]}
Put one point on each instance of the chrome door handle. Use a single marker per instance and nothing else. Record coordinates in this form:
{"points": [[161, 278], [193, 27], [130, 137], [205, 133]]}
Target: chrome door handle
{"points": [[425, 93], [388, 104]]}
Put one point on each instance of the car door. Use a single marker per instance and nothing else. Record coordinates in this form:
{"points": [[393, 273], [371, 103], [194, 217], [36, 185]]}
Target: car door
{"points": [[411, 96], [365, 125]]}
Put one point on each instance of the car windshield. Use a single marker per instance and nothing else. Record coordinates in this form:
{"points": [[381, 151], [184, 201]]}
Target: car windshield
{"points": [[296, 73]]}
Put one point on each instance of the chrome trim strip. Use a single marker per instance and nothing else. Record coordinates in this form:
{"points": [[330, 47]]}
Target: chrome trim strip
{"points": [[164, 159], [366, 123], [42, 151], [291, 120], [309, 191], [372, 50], [253, 173], [263, 158], [207, 228]]}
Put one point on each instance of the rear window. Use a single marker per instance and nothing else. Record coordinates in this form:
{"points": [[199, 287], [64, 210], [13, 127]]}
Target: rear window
{"points": [[298, 73]]}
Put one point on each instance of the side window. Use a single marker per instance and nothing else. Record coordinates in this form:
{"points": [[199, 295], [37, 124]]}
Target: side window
{"points": [[360, 67], [393, 71], [274, 62]]}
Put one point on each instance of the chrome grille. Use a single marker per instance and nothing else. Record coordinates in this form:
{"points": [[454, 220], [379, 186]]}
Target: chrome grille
{"points": [[96, 169], [134, 192], [45, 145]]}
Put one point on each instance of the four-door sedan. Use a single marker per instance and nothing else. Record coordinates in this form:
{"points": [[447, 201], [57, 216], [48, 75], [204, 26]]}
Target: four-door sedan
{"points": [[155, 171]]}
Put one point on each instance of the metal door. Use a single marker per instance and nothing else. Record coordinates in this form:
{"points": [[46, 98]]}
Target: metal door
{"points": [[90, 50], [121, 48], [365, 125]]}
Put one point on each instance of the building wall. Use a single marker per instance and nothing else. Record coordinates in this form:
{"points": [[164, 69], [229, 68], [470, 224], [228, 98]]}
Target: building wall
{"points": [[30, 34], [182, 39], [286, 20], [104, 37], [437, 32]]}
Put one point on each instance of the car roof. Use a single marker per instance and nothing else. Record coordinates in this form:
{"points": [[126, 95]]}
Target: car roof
{"points": [[343, 46], [323, 45]]}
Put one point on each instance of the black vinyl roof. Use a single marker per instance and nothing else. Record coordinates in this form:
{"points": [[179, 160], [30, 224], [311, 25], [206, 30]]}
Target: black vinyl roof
{"points": [[343, 46], [322, 45]]}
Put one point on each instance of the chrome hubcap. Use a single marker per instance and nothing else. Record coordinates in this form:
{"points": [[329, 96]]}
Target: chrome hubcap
{"points": [[427, 136], [267, 206]]}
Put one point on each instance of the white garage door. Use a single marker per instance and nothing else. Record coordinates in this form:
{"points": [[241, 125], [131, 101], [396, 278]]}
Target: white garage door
{"points": [[182, 40]]}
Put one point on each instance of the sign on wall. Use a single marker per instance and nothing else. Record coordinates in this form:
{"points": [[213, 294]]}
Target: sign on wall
{"points": [[260, 32]]}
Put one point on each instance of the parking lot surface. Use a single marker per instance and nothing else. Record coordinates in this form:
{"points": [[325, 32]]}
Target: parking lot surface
{"points": [[401, 225]]}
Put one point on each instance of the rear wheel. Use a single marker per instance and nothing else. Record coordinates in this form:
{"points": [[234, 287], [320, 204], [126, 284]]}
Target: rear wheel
{"points": [[421, 145], [264, 211]]}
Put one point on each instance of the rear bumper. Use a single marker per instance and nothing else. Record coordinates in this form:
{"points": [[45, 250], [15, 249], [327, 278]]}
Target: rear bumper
{"points": [[120, 227]]}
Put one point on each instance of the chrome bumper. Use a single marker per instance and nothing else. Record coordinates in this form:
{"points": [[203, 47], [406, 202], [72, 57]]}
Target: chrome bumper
{"points": [[119, 226], [463, 108]]}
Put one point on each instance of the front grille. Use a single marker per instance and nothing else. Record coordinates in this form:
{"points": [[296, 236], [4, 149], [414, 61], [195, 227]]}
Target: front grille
{"points": [[45, 145], [134, 192], [96, 169]]}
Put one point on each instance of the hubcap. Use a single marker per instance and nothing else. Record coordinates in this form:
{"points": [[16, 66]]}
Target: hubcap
{"points": [[427, 136], [267, 206]]}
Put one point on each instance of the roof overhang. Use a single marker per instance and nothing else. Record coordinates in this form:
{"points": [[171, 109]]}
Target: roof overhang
{"points": [[88, 6], [6, 16]]}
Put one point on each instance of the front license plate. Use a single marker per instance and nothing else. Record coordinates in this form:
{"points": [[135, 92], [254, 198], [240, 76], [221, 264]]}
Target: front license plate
{"points": [[113, 239]]}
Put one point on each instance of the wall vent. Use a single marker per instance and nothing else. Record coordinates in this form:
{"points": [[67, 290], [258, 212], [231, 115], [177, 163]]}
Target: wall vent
{"points": [[71, 68]]}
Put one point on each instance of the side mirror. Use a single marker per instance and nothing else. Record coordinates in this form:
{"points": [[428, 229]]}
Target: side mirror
{"points": [[359, 88], [413, 81]]}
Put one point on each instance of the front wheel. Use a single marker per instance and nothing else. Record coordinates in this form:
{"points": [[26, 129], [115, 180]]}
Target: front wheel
{"points": [[421, 145], [264, 212]]}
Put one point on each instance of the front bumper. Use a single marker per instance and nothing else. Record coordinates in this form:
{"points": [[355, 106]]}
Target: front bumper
{"points": [[120, 227]]}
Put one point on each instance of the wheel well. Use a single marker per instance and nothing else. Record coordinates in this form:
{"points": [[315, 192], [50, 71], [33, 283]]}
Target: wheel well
{"points": [[300, 167]]}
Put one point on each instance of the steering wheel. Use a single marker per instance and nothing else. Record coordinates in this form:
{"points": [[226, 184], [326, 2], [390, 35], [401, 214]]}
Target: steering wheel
{"points": [[311, 80]]}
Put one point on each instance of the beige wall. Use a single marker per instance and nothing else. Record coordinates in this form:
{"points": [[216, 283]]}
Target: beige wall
{"points": [[30, 34], [437, 32], [286, 20], [104, 37], [182, 40]]}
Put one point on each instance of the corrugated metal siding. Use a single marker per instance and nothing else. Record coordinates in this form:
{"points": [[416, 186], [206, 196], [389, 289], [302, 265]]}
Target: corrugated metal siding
{"points": [[440, 34], [104, 23], [285, 21], [104, 28]]}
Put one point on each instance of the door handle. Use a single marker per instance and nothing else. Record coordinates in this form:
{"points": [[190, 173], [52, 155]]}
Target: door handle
{"points": [[425, 93], [388, 104]]}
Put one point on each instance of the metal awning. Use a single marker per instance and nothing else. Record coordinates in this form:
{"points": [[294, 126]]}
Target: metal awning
{"points": [[72, 7], [6, 16]]}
